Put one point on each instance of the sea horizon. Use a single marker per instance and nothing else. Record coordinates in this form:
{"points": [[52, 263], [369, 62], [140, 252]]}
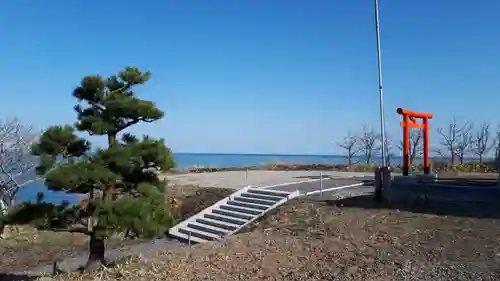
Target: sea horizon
{"points": [[227, 160]]}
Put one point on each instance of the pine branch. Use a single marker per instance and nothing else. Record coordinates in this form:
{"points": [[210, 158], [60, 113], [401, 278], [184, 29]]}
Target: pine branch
{"points": [[71, 229]]}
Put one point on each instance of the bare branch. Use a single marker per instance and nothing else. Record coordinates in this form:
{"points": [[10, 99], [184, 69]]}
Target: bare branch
{"points": [[16, 161], [464, 142], [389, 149], [349, 143], [496, 144], [481, 141], [72, 229], [368, 144], [416, 147], [451, 138]]}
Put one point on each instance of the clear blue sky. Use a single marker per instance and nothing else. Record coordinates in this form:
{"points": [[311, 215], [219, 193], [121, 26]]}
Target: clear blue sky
{"points": [[262, 76]]}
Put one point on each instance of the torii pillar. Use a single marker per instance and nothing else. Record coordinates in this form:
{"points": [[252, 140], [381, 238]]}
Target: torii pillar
{"points": [[409, 121]]}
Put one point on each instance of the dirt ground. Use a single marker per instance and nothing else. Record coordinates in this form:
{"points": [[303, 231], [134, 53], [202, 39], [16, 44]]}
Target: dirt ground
{"points": [[349, 239], [27, 248]]}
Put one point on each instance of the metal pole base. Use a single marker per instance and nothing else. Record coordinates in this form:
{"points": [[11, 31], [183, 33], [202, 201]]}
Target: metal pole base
{"points": [[378, 184], [382, 182]]}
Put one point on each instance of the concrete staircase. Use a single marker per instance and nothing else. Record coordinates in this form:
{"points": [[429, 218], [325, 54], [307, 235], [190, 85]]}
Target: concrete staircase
{"points": [[230, 214]]}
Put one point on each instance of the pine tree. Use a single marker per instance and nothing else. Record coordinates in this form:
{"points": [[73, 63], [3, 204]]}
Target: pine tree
{"points": [[120, 181]]}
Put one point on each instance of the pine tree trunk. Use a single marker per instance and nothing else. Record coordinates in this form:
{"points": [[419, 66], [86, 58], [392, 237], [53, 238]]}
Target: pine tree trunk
{"points": [[96, 244], [2, 227], [3, 211], [96, 253]]}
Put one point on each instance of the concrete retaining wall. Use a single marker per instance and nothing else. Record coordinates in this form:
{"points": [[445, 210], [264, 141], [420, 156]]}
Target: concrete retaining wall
{"points": [[410, 189]]}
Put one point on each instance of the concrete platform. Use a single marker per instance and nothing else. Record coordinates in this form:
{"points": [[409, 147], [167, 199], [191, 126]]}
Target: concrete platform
{"points": [[240, 179], [328, 184]]}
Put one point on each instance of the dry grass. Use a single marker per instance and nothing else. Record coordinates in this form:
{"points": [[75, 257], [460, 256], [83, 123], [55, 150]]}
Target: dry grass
{"points": [[25, 247], [29, 247], [189, 200], [320, 241]]}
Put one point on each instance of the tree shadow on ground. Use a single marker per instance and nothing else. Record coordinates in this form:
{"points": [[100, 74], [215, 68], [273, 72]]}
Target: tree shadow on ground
{"points": [[17, 277], [443, 208]]}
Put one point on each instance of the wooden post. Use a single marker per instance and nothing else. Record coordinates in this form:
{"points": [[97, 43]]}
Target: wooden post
{"points": [[406, 146], [321, 184], [54, 268], [427, 169]]}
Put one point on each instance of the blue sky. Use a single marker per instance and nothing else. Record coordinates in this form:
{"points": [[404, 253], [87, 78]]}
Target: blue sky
{"points": [[263, 76]]}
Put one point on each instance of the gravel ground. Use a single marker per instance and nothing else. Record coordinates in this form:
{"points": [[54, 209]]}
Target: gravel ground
{"points": [[314, 241], [289, 235], [146, 249], [184, 209]]}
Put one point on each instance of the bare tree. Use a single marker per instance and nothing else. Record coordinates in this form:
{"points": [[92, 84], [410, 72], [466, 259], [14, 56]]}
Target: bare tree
{"points": [[16, 161], [481, 141], [368, 144], [464, 142], [496, 144], [349, 143], [416, 148], [389, 150], [451, 139], [496, 147]]}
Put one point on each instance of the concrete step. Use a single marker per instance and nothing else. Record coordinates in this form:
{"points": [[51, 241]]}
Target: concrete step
{"points": [[229, 214], [226, 219], [265, 198], [185, 237], [219, 223], [269, 192], [232, 214], [247, 205], [208, 229], [199, 234], [251, 212]]}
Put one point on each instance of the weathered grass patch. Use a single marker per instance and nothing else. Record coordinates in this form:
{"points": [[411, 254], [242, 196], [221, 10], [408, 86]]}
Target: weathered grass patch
{"points": [[306, 240]]}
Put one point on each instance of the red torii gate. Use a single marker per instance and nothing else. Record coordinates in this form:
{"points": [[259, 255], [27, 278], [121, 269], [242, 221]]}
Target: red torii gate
{"points": [[409, 121]]}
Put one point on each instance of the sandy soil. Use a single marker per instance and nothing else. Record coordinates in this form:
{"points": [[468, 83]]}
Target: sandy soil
{"points": [[238, 179]]}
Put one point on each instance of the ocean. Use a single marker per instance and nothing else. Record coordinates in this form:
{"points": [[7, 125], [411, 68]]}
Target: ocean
{"points": [[185, 160]]}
